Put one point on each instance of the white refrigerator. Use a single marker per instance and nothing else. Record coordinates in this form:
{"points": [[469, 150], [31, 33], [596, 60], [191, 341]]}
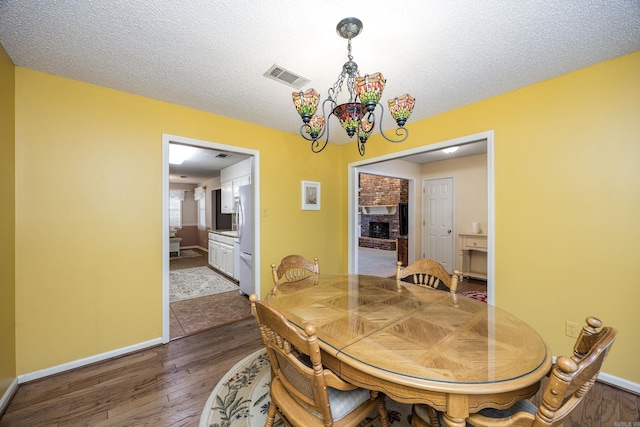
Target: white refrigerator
{"points": [[245, 237]]}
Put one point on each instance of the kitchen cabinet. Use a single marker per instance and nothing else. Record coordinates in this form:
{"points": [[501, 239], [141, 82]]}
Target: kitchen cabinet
{"points": [[212, 252], [231, 178], [229, 193], [226, 259], [221, 253], [226, 197], [239, 182]]}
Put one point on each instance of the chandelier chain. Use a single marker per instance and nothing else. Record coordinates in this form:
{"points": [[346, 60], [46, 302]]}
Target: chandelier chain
{"points": [[334, 91], [350, 72]]}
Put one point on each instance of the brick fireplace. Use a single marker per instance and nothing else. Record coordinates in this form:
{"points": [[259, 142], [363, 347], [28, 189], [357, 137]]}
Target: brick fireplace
{"points": [[379, 230], [379, 214]]}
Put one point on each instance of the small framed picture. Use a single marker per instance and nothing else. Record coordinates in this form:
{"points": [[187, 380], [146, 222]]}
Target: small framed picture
{"points": [[310, 196]]}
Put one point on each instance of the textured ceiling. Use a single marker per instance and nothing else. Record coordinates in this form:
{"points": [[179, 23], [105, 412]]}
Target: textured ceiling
{"points": [[211, 55]]}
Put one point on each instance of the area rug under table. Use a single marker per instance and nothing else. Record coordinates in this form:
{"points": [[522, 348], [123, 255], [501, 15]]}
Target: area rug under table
{"points": [[479, 295], [197, 282], [241, 398]]}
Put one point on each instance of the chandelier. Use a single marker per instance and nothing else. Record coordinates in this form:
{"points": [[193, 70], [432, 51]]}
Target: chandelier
{"points": [[358, 115]]}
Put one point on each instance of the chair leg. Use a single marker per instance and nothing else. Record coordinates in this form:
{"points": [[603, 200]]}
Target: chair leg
{"points": [[271, 415], [433, 417], [384, 415], [418, 421]]}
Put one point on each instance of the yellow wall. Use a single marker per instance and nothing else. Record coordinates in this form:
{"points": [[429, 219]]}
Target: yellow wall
{"points": [[567, 199], [566, 189], [89, 158], [7, 224]]}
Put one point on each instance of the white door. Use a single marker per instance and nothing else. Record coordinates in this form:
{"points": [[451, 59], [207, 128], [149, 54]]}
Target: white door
{"points": [[438, 233]]}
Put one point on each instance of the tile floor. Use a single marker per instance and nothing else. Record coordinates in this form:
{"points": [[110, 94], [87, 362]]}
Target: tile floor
{"points": [[376, 262], [196, 315], [200, 314]]}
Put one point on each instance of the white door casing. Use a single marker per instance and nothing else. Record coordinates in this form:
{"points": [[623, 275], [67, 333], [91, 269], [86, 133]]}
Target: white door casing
{"points": [[438, 219], [255, 178], [352, 190]]}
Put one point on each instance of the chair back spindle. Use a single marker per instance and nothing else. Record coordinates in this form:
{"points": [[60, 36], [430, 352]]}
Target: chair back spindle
{"points": [[428, 273]]}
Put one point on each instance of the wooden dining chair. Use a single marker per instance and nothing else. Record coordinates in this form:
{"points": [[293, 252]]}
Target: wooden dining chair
{"points": [[568, 383], [303, 392], [428, 273], [292, 268]]}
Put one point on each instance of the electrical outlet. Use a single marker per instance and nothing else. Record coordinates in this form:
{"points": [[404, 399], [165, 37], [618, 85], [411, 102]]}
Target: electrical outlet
{"points": [[572, 329]]}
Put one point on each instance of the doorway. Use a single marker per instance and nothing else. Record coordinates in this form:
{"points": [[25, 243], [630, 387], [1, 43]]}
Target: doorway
{"points": [[382, 234], [255, 168], [387, 161], [438, 218]]}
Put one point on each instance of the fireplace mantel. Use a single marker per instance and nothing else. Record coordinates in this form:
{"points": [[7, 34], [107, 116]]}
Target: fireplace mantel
{"points": [[379, 209]]}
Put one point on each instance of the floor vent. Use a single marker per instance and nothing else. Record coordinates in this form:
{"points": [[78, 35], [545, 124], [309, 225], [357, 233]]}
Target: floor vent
{"points": [[285, 76]]}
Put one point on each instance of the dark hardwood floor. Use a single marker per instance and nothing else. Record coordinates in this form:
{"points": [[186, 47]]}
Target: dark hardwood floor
{"points": [[603, 406], [166, 385]]}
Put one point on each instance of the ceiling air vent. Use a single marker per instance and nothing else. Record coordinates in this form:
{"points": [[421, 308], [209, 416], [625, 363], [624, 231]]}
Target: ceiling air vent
{"points": [[285, 76]]}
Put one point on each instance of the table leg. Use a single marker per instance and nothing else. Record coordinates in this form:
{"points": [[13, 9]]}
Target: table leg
{"points": [[457, 410], [454, 421]]}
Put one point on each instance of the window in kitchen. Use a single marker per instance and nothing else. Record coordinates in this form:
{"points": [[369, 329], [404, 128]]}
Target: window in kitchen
{"points": [[200, 196], [176, 198]]}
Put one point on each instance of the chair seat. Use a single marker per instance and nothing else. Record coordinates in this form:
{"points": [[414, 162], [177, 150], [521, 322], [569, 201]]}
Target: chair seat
{"points": [[342, 402]]}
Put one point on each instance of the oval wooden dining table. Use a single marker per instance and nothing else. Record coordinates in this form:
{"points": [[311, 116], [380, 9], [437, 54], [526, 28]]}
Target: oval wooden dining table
{"points": [[418, 345]]}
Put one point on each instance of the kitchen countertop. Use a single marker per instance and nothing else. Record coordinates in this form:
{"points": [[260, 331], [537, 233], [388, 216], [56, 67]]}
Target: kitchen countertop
{"points": [[231, 233]]}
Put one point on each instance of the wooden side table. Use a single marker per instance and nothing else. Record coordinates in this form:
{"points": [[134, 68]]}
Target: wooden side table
{"points": [[468, 243]]}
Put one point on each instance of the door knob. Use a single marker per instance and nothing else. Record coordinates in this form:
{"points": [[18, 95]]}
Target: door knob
{"points": [[448, 231]]}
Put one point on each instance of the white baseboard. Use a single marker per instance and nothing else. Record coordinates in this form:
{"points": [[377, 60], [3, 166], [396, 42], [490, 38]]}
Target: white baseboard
{"points": [[619, 382], [194, 247], [6, 397], [87, 361]]}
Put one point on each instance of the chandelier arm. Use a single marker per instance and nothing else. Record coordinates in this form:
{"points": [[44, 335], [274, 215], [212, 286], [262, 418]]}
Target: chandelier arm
{"points": [[303, 130], [316, 146], [402, 132], [305, 127], [371, 118], [361, 147]]}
